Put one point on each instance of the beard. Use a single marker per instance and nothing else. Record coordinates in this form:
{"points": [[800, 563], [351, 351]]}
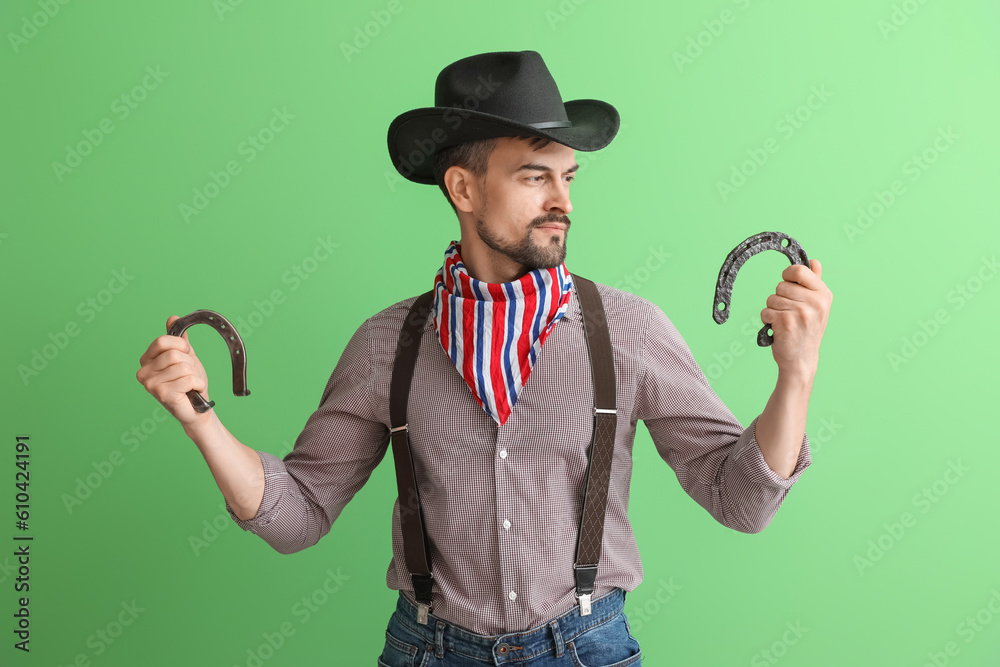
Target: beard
{"points": [[548, 254]]}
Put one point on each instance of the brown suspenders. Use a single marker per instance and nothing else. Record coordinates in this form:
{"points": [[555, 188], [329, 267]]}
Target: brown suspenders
{"points": [[600, 454]]}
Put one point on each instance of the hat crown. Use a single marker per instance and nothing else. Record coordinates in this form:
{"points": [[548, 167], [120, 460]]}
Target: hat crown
{"points": [[511, 84]]}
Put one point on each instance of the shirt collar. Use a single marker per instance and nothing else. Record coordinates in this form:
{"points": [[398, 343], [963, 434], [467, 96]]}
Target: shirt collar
{"points": [[573, 307]]}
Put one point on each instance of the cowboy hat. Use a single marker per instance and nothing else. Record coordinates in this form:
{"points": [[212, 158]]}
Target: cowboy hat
{"points": [[500, 94]]}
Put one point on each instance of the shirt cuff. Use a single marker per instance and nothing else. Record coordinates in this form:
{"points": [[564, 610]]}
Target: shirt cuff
{"points": [[273, 469], [750, 460]]}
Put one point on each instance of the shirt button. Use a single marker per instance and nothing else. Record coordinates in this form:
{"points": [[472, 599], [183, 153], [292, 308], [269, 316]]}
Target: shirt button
{"points": [[503, 453], [506, 524], [512, 595]]}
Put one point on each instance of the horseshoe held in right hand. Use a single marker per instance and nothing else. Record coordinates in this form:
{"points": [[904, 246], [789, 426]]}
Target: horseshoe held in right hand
{"points": [[237, 352]]}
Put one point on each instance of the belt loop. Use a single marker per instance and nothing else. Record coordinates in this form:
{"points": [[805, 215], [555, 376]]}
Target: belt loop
{"points": [[557, 638], [439, 640]]}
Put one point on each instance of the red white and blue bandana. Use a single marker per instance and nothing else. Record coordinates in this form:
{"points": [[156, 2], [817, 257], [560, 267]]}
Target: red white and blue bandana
{"points": [[493, 332]]}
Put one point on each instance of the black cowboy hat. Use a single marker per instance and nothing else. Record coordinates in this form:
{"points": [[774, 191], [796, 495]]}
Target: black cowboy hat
{"points": [[501, 94]]}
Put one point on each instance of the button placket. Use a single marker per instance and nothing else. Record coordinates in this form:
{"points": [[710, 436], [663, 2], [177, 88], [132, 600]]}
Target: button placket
{"points": [[506, 545]]}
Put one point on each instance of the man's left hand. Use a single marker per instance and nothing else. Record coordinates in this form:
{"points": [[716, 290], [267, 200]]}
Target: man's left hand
{"points": [[797, 312]]}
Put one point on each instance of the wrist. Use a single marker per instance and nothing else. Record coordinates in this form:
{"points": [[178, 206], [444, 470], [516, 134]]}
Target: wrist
{"points": [[201, 427], [799, 377]]}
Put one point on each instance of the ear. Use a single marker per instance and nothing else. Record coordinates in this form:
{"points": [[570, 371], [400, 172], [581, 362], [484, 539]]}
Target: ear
{"points": [[463, 187]]}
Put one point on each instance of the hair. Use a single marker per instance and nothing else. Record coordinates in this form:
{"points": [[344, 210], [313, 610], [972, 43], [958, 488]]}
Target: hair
{"points": [[474, 156]]}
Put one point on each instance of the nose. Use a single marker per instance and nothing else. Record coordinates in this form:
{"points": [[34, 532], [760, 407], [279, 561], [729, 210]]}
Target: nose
{"points": [[558, 200]]}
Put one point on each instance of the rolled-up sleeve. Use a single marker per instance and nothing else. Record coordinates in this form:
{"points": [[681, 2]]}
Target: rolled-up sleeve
{"points": [[717, 461], [334, 455]]}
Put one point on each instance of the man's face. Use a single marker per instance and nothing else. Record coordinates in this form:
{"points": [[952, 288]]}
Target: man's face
{"points": [[522, 212]]}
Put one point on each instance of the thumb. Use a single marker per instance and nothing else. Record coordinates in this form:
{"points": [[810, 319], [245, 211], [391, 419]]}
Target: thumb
{"points": [[170, 322], [816, 267]]}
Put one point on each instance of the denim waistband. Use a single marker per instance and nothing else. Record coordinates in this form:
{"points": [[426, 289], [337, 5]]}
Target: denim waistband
{"points": [[513, 647]]}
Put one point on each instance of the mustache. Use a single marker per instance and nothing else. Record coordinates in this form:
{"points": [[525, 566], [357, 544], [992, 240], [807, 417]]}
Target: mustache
{"points": [[551, 217]]}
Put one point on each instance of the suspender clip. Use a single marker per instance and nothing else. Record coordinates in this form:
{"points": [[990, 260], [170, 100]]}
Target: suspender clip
{"points": [[422, 585], [586, 576]]}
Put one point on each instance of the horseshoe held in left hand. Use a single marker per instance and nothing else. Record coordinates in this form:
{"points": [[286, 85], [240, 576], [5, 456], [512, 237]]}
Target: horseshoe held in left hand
{"points": [[757, 243]]}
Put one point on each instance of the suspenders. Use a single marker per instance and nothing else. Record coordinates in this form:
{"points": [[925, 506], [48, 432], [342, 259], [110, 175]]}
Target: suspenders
{"points": [[416, 547]]}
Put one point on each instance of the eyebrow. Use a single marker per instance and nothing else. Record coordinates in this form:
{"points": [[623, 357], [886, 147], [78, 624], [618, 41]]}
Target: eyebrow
{"points": [[531, 166]]}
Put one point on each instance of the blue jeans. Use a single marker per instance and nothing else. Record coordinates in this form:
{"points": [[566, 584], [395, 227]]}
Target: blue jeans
{"points": [[601, 639]]}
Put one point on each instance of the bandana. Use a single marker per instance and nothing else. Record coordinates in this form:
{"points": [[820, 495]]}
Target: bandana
{"points": [[494, 332]]}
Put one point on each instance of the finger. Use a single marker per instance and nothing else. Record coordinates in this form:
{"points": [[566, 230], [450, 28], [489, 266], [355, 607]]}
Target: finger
{"points": [[776, 302], [161, 344], [803, 275], [169, 358], [817, 268], [170, 322], [150, 377], [174, 395], [779, 320], [768, 316], [794, 291]]}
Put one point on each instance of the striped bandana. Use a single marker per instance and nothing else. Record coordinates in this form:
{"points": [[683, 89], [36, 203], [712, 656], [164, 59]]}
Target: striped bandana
{"points": [[493, 332]]}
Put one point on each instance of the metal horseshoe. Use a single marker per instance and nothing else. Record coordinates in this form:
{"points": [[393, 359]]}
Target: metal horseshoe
{"points": [[757, 243], [237, 352]]}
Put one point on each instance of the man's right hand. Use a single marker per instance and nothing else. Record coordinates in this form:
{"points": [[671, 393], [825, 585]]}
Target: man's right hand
{"points": [[168, 370]]}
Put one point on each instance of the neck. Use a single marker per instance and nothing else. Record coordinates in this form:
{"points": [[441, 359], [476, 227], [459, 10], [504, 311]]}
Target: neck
{"points": [[486, 264]]}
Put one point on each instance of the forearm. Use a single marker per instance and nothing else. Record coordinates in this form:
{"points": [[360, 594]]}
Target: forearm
{"points": [[237, 468], [782, 424]]}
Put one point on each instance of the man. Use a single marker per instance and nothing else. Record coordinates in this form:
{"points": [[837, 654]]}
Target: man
{"points": [[501, 415]]}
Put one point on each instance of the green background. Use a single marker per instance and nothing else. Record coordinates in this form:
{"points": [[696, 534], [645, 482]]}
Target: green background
{"points": [[906, 389]]}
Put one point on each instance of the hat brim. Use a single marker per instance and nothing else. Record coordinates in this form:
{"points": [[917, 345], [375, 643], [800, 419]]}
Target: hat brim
{"points": [[415, 137]]}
